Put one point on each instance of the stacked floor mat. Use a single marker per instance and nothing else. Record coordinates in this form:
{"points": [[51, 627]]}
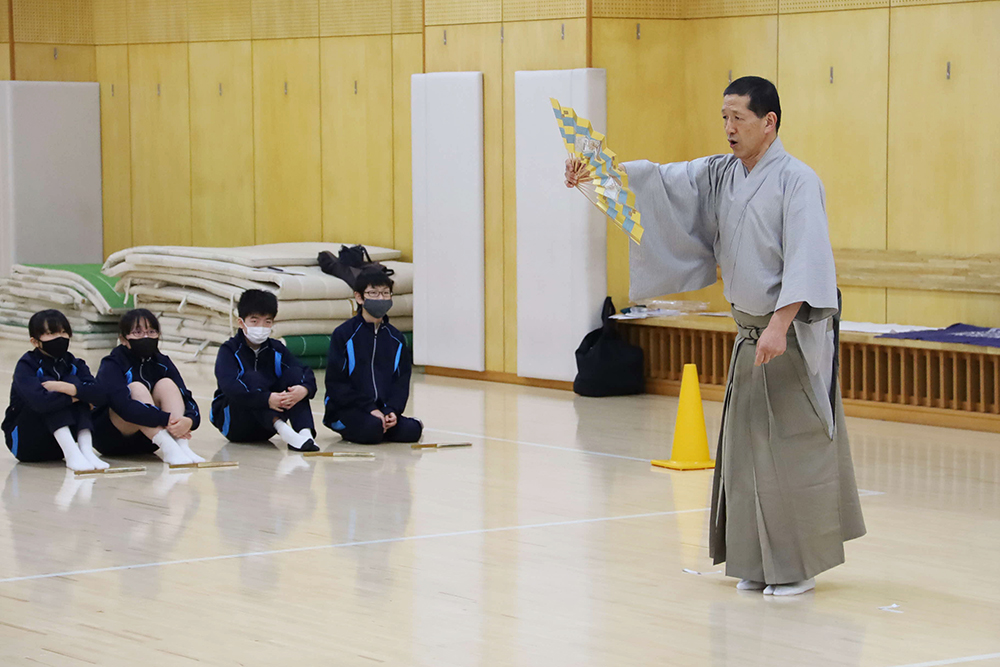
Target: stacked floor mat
{"points": [[194, 291], [85, 295]]}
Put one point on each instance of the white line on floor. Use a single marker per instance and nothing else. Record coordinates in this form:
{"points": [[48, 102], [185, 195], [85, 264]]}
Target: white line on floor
{"points": [[390, 540], [954, 661]]}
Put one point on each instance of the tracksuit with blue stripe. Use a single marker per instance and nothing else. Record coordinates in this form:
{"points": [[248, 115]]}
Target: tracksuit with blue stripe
{"points": [[247, 378], [35, 413], [120, 369], [368, 370]]}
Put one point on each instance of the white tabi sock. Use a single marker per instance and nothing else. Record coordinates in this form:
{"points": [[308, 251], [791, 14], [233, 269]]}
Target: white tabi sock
{"points": [[795, 588], [750, 585], [186, 448], [288, 434], [75, 460], [86, 442], [169, 449]]}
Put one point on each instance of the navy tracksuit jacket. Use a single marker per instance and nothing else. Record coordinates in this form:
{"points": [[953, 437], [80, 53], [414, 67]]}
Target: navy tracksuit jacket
{"points": [[246, 380], [365, 371]]}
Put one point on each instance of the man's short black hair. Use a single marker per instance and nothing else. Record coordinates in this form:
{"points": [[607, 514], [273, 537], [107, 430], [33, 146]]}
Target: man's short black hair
{"points": [[136, 316], [257, 302], [48, 322], [762, 93], [372, 278]]}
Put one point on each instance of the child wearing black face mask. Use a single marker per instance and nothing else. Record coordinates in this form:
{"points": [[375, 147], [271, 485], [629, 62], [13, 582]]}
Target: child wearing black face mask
{"points": [[148, 406], [368, 371], [50, 398]]}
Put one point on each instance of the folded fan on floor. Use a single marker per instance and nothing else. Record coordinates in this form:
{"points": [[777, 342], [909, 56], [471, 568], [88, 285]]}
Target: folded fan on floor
{"points": [[606, 183]]}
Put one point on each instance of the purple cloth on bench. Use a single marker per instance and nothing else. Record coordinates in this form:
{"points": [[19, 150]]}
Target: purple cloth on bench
{"points": [[965, 334]]}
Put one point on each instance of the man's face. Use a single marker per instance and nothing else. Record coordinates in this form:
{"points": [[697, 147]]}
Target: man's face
{"points": [[746, 132]]}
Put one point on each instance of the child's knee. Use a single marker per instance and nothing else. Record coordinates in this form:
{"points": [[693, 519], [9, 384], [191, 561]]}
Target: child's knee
{"points": [[407, 430], [368, 431], [165, 386], [139, 392]]}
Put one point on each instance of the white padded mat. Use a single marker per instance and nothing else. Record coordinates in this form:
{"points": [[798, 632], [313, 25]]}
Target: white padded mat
{"points": [[449, 309], [50, 173], [267, 254], [561, 237]]}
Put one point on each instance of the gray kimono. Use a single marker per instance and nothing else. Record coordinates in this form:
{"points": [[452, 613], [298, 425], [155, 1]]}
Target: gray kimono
{"points": [[784, 499]]}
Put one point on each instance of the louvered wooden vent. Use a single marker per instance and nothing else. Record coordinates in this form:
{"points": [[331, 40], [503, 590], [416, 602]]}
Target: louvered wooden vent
{"points": [[931, 383]]}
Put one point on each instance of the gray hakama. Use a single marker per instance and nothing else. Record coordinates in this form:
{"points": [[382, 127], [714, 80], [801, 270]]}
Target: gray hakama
{"points": [[784, 499]]}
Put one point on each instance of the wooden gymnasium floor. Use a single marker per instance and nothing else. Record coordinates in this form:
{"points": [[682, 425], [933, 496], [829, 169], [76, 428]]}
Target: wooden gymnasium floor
{"points": [[550, 542]]}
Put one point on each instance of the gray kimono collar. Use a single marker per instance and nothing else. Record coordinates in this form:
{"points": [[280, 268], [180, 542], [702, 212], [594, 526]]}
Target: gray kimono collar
{"points": [[775, 151]]}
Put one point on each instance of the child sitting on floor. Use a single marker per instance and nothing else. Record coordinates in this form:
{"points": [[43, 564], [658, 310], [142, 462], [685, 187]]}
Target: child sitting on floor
{"points": [[263, 388], [149, 407], [50, 398], [368, 371]]}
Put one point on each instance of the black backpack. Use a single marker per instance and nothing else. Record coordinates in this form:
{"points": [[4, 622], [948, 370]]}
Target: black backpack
{"points": [[349, 263], [606, 364]]}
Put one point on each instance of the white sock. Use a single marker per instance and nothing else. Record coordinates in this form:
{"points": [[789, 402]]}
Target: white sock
{"points": [[306, 434], [86, 442], [288, 434], [75, 460], [186, 448], [750, 585], [795, 588], [169, 449]]}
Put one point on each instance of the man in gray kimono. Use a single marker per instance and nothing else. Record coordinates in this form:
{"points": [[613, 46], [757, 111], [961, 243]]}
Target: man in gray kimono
{"points": [[784, 499]]}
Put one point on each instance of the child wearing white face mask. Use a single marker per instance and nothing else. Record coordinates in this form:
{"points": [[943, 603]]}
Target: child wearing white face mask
{"points": [[263, 389]]}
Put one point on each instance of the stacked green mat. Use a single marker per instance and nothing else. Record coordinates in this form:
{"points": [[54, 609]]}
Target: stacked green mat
{"points": [[85, 295], [312, 350]]}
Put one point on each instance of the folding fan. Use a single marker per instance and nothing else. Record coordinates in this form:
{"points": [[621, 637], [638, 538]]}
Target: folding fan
{"points": [[605, 183]]}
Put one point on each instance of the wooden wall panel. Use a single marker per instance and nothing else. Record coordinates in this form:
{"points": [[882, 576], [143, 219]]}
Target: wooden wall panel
{"points": [[112, 73], [222, 203], [110, 21], [55, 62], [528, 45], [541, 10], [287, 140], [943, 167], [712, 49], [942, 155], [407, 59], [217, 20], [357, 139], [855, 44], [53, 21], [646, 130], [460, 12], [160, 143], [4, 62], [477, 48], [157, 21], [342, 18], [282, 19], [407, 16]]}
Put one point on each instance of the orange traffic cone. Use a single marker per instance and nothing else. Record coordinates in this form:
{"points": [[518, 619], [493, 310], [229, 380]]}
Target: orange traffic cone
{"points": [[690, 449]]}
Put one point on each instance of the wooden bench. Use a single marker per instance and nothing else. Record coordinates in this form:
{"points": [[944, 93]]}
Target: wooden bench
{"points": [[939, 384]]}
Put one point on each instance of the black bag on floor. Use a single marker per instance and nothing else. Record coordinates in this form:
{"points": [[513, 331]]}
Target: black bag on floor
{"points": [[606, 364], [349, 263]]}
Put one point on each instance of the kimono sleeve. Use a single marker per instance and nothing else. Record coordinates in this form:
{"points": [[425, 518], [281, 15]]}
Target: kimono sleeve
{"points": [[677, 203], [809, 274]]}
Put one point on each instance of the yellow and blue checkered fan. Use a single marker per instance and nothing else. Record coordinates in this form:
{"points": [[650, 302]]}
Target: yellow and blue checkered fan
{"points": [[607, 188]]}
